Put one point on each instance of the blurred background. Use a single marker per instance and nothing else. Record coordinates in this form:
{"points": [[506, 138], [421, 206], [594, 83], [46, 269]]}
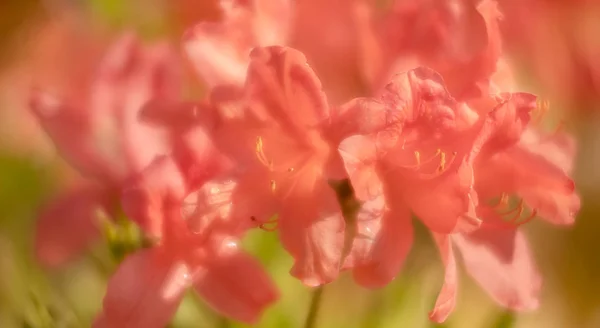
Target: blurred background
{"points": [[554, 45]]}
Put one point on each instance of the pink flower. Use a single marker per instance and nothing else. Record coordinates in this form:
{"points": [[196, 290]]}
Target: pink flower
{"points": [[281, 136], [518, 161], [419, 114], [149, 285], [329, 33], [97, 131]]}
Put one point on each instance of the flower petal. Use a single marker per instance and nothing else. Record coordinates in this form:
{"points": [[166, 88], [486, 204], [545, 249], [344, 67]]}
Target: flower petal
{"points": [[129, 76], [71, 131], [216, 54], [501, 262], [283, 87], [510, 119], [544, 186], [69, 224], [219, 51], [145, 200], [421, 97], [314, 242], [388, 250], [359, 155], [237, 287], [144, 292], [446, 300]]}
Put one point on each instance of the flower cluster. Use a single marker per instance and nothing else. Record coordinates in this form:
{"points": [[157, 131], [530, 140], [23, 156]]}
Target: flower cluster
{"points": [[436, 131]]}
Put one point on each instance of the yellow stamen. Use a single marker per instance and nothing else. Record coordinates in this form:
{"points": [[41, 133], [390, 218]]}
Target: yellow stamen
{"points": [[260, 154]]}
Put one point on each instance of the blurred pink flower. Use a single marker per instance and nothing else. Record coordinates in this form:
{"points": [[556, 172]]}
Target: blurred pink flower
{"points": [[329, 33], [279, 134], [97, 131], [533, 29], [522, 162], [148, 286], [419, 114]]}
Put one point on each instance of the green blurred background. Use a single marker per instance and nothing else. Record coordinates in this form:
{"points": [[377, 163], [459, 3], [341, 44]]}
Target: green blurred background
{"points": [[30, 173]]}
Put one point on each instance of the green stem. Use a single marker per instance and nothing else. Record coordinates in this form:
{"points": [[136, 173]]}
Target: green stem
{"points": [[313, 311]]}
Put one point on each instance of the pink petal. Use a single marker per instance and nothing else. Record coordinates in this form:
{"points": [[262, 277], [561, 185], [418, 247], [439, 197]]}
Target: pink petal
{"points": [[237, 287], [510, 119], [71, 130], [145, 200], [365, 116], [421, 98], [559, 148], [178, 116], [391, 244], [454, 198], [314, 242], [129, 76], [446, 300], [544, 186], [213, 202], [196, 130], [283, 87], [145, 291], [501, 262], [69, 224], [359, 155], [219, 51]]}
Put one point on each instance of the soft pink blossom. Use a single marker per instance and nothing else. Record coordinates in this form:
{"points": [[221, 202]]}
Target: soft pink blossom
{"points": [[535, 168], [281, 135], [148, 286], [416, 112], [97, 131]]}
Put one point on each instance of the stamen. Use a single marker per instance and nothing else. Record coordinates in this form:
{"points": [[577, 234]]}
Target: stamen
{"points": [[515, 213], [420, 163], [543, 106], [268, 226], [518, 208], [260, 154], [273, 186], [503, 203], [529, 218]]}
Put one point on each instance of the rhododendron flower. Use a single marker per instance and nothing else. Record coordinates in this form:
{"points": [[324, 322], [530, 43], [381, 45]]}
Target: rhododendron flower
{"points": [[420, 114], [421, 154], [97, 131], [329, 33], [281, 135], [149, 285], [535, 169]]}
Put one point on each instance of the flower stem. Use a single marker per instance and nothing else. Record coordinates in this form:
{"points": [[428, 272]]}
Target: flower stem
{"points": [[315, 304]]}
